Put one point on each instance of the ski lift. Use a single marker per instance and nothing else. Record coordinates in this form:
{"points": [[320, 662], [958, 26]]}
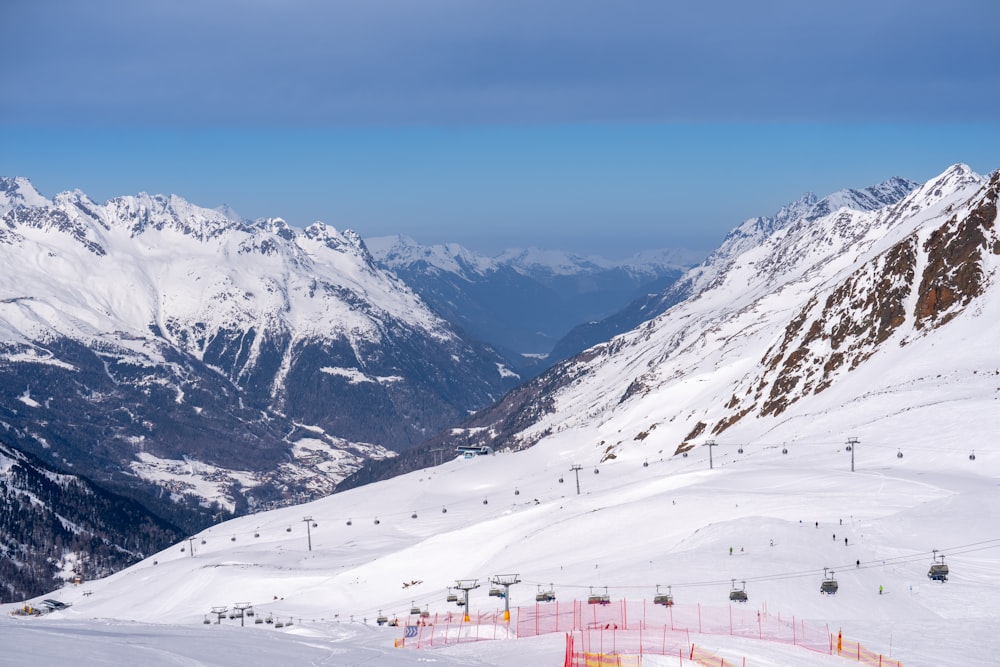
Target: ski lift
{"points": [[848, 448], [288, 530], [382, 619], [315, 525], [684, 454], [596, 471], [206, 621], [182, 549], [939, 569], [738, 594], [426, 613], [258, 620], [599, 598], [516, 492], [545, 596], [203, 540], [899, 454], [289, 623], [495, 592], [485, 501], [645, 464], [561, 479], [232, 539], [461, 603], [829, 585], [972, 456], [256, 533], [784, 450], [414, 609], [452, 596], [740, 450], [349, 522], [413, 516], [666, 599], [377, 522], [249, 611], [279, 624], [269, 620], [444, 510]]}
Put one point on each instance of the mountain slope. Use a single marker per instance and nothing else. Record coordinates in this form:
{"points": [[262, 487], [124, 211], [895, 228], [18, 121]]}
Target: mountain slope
{"points": [[54, 527], [746, 236]]}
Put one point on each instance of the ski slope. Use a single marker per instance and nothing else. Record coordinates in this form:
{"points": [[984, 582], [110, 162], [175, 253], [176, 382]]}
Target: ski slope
{"points": [[632, 527]]}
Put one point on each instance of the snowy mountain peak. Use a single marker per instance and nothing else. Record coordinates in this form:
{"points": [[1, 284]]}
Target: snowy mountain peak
{"points": [[18, 191]]}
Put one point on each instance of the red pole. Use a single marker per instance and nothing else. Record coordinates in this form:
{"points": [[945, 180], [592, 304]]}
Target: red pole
{"points": [[730, 620], [699, 618]]}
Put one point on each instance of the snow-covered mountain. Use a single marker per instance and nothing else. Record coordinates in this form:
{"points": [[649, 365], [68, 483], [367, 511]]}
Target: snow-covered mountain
{"points": [[841, 378], [149, 343], [526, 299]]}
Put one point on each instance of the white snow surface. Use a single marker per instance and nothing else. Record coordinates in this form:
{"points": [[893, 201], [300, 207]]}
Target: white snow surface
{"points": [[770, 504]]}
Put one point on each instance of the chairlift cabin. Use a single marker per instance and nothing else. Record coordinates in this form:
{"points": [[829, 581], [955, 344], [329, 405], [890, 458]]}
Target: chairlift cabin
{"points": [[349, 522], [377, 522], [899, 454], [426, 613], [382, 619], [972, 456], [939, 569], [452, 596], [829, 585], [645, 464], [597, 471], [784, 450], [413, 516], [495, 593], [414, 610], [545, 596], [599, 598], [740, 450], [738, 594], [665, 599]]}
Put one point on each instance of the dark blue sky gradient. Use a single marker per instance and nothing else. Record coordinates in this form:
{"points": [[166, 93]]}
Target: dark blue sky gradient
{"points": [[585, 125]]}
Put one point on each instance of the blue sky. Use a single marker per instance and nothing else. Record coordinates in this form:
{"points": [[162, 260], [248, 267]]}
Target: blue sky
{"points": [[598, 127]]}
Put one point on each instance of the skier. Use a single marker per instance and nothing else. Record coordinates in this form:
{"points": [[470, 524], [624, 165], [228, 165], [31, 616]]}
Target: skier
{"points": [[880, 589], [730, 551], [845, 541], [835, 537]]}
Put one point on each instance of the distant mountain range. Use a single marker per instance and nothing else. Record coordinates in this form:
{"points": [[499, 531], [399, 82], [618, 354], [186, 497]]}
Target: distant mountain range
{"points": [[525, 301]]}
